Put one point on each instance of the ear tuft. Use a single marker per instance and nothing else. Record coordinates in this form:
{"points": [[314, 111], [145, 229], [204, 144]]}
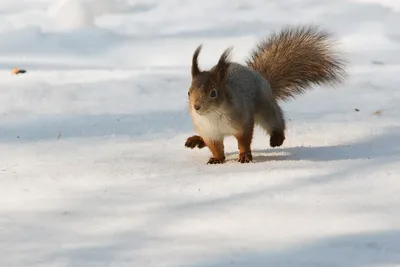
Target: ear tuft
{"points": [[195, 64], [221, 70], [225, 58]]}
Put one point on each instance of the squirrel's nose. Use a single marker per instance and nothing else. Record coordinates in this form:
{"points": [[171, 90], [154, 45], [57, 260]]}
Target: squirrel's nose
{"points": [[197, 107]]}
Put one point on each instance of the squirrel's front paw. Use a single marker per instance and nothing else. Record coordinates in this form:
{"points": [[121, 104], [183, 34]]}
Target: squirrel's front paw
{"points": [[277, 138], [194, 141], [215, 161], [245, 157]]}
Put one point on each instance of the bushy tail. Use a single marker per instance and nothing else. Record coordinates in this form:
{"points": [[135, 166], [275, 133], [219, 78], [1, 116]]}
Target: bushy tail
{"points": [[295, 59]]}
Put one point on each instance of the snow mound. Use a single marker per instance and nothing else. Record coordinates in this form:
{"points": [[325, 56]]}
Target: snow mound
{"points": [[71, 15], [392, 4], [81, 14]]}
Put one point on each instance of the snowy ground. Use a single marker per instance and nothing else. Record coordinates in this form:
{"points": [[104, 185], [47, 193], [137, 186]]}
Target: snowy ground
{"points": [[93, 170]]}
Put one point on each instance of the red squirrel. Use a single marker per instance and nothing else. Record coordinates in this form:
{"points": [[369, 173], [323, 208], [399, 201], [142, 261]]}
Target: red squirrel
{"points": [[230, 98]]}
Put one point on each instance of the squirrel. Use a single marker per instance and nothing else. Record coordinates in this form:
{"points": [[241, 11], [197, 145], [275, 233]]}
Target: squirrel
{"points": [[231, 98]]}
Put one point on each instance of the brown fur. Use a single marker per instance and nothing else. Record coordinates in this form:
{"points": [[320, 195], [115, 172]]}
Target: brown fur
{"points": [[203, 82], [296, 58], [217, 149], [244, 144]]}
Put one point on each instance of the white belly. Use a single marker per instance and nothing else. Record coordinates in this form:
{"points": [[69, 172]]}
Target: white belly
{"points": [[213, 126]]}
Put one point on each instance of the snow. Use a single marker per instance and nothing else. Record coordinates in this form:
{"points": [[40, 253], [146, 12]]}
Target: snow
{"points": [[94, 171]]}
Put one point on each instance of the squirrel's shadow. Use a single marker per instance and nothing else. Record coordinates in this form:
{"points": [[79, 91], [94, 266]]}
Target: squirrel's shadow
{"points": [[379, 146]]}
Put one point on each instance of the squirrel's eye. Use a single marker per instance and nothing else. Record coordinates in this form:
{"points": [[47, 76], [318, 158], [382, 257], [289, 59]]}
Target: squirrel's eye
{"points": [[188, 93], [213, 94]]}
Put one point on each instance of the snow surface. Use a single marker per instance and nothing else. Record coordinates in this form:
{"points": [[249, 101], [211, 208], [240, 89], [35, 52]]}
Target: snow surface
{"points": [[93, 169]]}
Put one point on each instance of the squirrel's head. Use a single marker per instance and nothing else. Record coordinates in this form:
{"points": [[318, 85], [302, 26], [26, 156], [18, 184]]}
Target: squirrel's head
{"points": [[207, 91]]}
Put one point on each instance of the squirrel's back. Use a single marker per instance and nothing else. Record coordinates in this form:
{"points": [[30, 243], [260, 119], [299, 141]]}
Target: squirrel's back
{"points": [[243, 82]]}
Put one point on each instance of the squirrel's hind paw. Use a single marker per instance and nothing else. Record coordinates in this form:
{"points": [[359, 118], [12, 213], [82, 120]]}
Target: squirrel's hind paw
{"points": [[277, 138]]}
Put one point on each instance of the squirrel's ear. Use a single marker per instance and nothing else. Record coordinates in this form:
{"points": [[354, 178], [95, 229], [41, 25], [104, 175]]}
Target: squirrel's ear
{"points": [[195, 64], [221, 70]]}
